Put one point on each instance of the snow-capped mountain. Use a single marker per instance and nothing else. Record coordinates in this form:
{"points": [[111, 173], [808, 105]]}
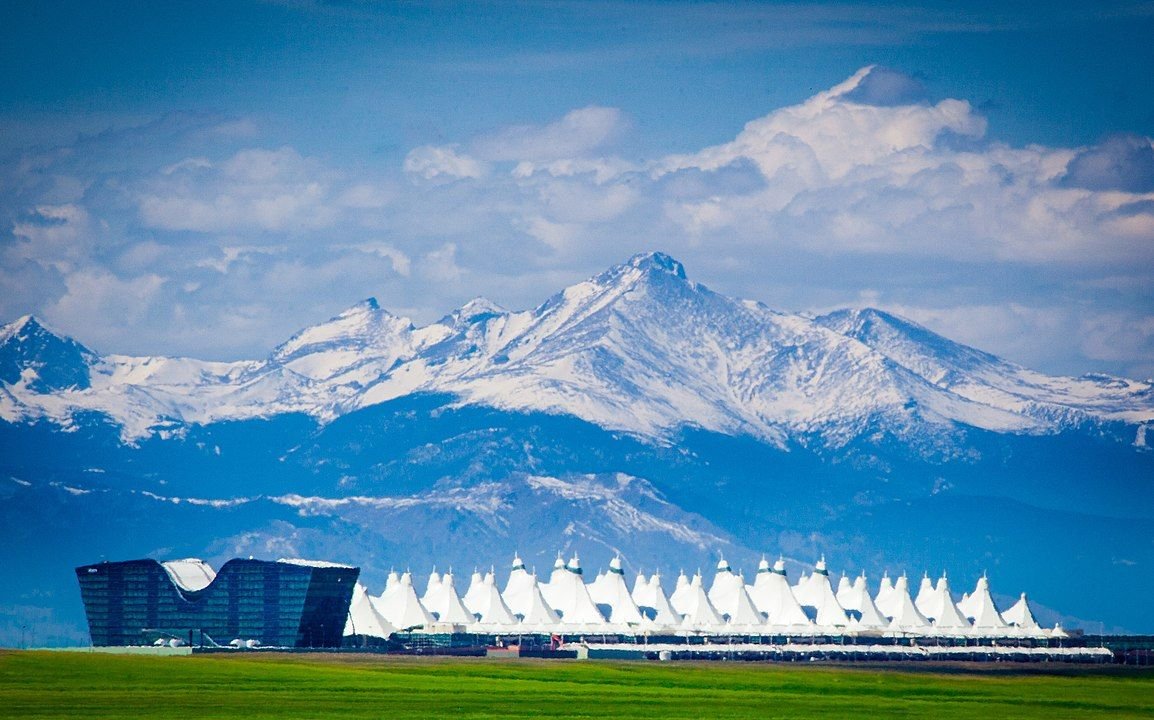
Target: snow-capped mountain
{"points": [[639, 348], [41, 361], [637, 411]]}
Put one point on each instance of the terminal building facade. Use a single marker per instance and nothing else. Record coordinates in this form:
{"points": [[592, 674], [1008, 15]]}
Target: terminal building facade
{"points": [[286, 603]]}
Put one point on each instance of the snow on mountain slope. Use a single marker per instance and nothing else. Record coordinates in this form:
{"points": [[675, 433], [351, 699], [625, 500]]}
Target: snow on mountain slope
{"points": [[618, 512], [354, 347], [987, 379], [639, 348], [40, 360]]}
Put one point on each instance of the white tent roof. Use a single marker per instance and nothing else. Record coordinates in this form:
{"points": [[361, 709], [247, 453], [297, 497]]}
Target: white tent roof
{"points": [[475, 595], [1020, 614], [942, 608], [774, 597], [403, 608], [681, 591], [448, 606], [744, 613], [925, 598], [846, 596], [519, 588], [611, 590], [906, 615], [392, 582], [725, 591], [984, 613], [491, 607], [582, 609], [364, 619], [555, 590], [538, 615], [599, 589], [432, 587], [829, 612], [871, 617], [699, 612], [664, 615], [641, 592], [567, 595], [964, 605], [885, 598], [809, 589], [801, 591]]}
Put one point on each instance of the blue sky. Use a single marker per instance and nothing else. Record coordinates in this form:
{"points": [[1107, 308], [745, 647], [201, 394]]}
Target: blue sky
{"points": [[206, 178]]}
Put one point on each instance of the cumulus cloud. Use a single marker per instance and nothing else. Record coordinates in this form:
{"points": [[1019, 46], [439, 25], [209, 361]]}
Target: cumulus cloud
{"points": [[575, 135], [829, 136], [401, 263], [1044, 254], [887, 88], [55, 236], [272, 190], [1121, 162], [843, 175], [431, 161], [95, 298]]}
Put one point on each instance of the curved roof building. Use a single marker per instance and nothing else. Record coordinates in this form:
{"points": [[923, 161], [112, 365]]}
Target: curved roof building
{"points": [[287, 603]]}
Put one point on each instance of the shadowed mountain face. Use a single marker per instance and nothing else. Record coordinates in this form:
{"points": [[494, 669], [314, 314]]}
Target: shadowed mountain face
{"points": [[637, 412], [40, 360]]}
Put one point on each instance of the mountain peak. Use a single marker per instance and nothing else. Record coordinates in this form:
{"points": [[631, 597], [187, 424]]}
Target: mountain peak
{"points": [[45, 360], [911, 345], [479, 308], [362, 325], [22, 324], [658, 261]]}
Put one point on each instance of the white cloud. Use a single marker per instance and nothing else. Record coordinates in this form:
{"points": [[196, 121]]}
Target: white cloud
{"points": [[1042, 254], [575, 135], [602, 169], [844, 176], [1117, 336], [97, 298], [187, 164], [255, 189], [828, 136], [366, 196], [441, 264], [230, 254], [431, 161], [57, 236], [401, 263]]}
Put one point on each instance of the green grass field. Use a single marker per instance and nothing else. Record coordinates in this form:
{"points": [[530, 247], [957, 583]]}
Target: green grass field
{"points": [[81, 685]]}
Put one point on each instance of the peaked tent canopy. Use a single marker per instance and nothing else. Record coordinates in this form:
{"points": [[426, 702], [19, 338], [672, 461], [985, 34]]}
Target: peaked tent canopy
{"points": [[403, 608], [724, 592], [774, 597], [448, 606], [906, 615], [984, 613], [491, 607], [699, 612], [1020, 615], [663, 614], [519, 588], [611, 590], [364, 619]]}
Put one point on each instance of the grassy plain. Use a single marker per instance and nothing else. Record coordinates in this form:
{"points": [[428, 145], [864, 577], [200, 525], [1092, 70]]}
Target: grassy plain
{"points": [[252, 686]]}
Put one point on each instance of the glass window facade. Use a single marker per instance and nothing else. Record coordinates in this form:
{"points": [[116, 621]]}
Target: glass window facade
{"points": [[276, 603]]}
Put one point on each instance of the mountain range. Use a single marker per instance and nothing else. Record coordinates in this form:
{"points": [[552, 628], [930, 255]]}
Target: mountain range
{"points": [[636, 412]]}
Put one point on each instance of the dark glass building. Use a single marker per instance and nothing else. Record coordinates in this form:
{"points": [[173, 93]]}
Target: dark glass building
{"points": [[287, 603]]}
